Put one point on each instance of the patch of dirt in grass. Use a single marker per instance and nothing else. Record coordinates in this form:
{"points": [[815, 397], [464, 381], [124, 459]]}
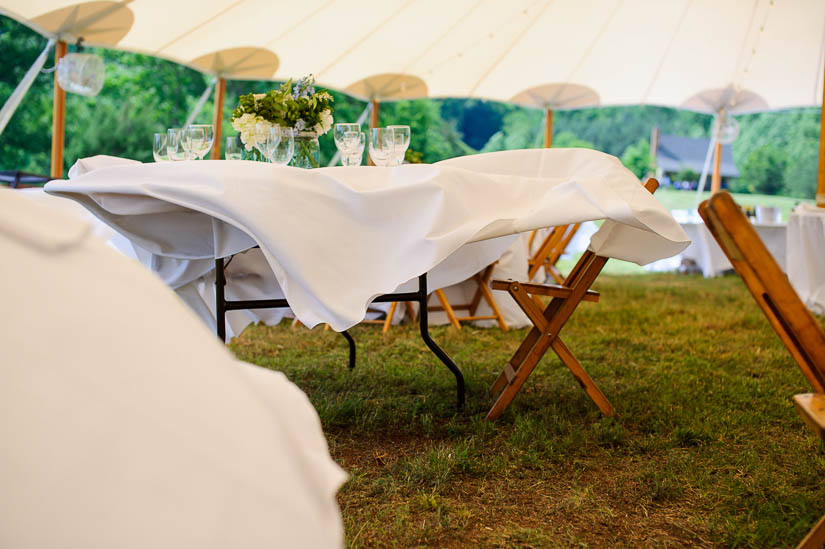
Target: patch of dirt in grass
{"points": [[594, 502]]}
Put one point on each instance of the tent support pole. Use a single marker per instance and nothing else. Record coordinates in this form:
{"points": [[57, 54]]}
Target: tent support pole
{"points": [[820, 173], [716, 182], [548, 128], [217, 119], [58, 117], [373, 124]]}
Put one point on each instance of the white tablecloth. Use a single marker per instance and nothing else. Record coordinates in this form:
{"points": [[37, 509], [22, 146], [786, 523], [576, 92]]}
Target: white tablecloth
{"points": [[125, 423], [806, 255], [337, 237], [706, 254]]}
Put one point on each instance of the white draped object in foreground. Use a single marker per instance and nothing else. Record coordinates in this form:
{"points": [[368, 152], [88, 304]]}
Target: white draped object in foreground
{"points": [[337, 237], [124, 421]]}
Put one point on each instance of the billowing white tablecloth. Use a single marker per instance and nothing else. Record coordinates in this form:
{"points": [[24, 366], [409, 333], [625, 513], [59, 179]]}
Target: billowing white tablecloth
{"points": [[806, 255], [125, 423], [337, 237]]}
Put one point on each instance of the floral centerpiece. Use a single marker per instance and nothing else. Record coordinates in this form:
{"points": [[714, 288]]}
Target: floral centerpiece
{"points": [[294, 105]]}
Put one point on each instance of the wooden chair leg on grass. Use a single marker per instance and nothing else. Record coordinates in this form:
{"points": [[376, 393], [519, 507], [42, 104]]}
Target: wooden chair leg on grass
{"points": [[547, 324], [550, 251], [482, 293]]}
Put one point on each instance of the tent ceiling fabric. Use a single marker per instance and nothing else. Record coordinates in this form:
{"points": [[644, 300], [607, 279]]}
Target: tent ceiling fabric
{"points": [[627, 51]]}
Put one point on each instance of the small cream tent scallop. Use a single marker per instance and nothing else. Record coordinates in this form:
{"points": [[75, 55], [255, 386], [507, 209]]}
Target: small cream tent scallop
{"points": [[238, 64], [557, 96], [723, 103]]}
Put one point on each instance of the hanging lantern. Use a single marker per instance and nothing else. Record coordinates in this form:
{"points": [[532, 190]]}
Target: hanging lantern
{"points": [[725, 128], [81, 73]]}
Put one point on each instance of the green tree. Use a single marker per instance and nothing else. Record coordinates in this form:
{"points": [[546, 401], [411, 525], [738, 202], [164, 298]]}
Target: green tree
{"points": [[763, 171], [686, 173], [636, 158], [566, 140]]}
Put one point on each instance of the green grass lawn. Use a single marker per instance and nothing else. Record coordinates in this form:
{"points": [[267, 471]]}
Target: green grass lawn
{"points": [[707, 449]]}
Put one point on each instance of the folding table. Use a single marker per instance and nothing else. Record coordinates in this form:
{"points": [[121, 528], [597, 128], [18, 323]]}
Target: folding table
{"points": [[392, 234]]}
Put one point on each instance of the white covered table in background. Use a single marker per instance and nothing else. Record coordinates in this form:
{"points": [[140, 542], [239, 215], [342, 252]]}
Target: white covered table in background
{"points": [[806, 255], [707, 254]]}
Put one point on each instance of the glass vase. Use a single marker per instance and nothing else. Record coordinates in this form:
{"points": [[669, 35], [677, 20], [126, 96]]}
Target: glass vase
{"points": [[307, 151]]}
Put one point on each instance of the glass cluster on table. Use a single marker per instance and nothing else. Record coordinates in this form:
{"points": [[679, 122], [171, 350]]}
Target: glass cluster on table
{"points": [[190, 143], [275, 144], [350, 141], [388, 145]]}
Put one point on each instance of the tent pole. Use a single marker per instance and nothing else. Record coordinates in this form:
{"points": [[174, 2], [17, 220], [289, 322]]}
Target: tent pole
{"points": [[217, 119], [373, 124], [58, 117], [820, 173], [548, 128], [716, 182]]}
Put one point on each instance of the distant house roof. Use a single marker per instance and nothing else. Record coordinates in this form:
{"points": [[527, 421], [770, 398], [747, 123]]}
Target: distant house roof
{"points": [[675, 152]]}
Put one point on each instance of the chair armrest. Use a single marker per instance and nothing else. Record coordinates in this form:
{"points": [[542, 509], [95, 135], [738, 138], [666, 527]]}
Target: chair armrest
{"points": [[552, 290]]}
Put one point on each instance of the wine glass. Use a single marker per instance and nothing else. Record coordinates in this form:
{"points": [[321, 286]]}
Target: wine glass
{"points": [[338, 134], [234, 149], [400, 137], [193, 139], [159, 147], [265, 138], [174, 144], [208, 137], [355, 142], [281, 153], [380, 147]]}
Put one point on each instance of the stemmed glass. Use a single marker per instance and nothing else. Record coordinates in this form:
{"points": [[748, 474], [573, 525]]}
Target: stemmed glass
{"points": [[234, 149], [354, 151], [281, 153], [266, 139], [174, 144], [208, 137], [159, 148], [381, 147], [193, 142], [338, 135], [400, 138]]}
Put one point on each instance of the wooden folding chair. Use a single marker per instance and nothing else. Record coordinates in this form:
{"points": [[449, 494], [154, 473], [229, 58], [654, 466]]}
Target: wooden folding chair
{"points": [[482, 280], [789, 317], [550, 251], [547, 324]]}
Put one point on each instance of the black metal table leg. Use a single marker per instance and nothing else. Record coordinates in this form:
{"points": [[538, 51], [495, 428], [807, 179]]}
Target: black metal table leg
{"points": [[220, 299], [419, 296], [424, 327]]}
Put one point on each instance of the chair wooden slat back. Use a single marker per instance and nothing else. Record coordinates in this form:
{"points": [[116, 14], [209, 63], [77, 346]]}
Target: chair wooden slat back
{"points": [[789, 317], [550, 251]]}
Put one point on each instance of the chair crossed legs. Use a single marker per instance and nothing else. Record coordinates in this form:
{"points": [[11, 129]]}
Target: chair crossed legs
{"points": [[547, 324], [550, 251], [789, 317]]}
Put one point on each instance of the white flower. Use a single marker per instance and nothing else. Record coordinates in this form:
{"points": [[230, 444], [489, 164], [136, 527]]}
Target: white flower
{"points": [[246, 126], [325, 124]]}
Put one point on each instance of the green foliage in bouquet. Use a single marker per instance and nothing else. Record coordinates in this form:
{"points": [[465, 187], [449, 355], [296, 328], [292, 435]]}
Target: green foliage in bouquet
{"points": [[299, 106]]}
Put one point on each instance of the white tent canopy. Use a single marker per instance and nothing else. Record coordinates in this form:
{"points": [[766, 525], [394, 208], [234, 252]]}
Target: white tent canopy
{"points": [[626, 51]]}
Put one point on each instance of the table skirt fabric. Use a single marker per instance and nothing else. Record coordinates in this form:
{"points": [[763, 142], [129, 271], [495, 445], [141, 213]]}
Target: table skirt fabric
{"points": [[806, 255], [337, 237]]}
